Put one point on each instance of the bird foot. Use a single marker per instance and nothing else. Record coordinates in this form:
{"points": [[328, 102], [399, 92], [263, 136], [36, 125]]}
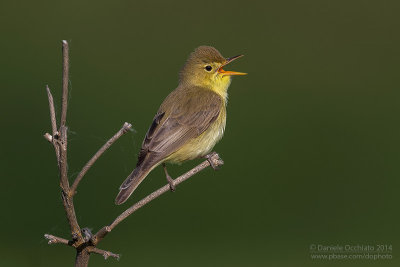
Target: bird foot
{"points": [[171, 181], [214, 160]]}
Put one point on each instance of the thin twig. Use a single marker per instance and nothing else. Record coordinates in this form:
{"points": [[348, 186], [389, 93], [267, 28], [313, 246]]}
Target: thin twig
{"points": [[125, 128], [65, 50], [56, 240], [52, 138], [105, 230], [63, 129], [106, 254], [52, 111]]}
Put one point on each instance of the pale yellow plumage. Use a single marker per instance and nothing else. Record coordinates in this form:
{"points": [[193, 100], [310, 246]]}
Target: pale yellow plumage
{"points": [[190, 121], [203, 144]]}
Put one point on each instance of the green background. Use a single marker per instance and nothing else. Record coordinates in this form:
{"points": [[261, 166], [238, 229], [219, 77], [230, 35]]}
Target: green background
{"points": [[311, 148]]}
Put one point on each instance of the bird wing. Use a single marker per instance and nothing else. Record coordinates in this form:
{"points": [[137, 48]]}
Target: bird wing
{"points": [[184, 115]]}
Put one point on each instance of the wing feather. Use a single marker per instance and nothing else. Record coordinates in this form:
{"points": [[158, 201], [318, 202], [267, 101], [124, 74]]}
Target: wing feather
{"points": [[180, 119]]}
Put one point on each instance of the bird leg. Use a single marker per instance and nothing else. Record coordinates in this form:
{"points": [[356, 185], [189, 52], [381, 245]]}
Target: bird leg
{"points": [[169, 179], [209, 157]]}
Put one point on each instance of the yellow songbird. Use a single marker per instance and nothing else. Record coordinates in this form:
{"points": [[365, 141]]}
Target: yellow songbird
{"points": [[189, 122]]}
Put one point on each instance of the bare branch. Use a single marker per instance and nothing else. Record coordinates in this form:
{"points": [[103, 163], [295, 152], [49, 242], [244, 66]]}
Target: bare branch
{"points": [[63, 129], [106, 254], [71, 217], [52, 138], [65, 50], [125, 128], [61, 144], [56, 240], [217, 161], [82, 240], [52, 111]]}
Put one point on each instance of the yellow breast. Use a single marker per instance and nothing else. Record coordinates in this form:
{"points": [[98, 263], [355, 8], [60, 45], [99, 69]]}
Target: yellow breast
{"points": [[203, 144]]}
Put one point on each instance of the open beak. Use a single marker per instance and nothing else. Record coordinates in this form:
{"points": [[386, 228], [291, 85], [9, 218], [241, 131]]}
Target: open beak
{"points": [[228, 72]]}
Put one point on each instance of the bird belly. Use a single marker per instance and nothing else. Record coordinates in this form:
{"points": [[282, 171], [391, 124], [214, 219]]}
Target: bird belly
{"points": [[201, 145]]}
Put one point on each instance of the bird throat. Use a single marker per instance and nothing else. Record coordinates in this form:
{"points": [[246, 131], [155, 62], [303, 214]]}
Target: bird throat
{"points": [[220, 86]]}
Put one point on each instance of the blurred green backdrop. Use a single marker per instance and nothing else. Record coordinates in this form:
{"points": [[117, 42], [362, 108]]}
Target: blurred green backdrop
{"points": [[311, 149]]}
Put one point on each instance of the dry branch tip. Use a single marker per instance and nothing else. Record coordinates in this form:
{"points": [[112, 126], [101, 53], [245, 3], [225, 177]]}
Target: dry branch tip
{"points": [[56, 240], [106, 254], [48, 137]]}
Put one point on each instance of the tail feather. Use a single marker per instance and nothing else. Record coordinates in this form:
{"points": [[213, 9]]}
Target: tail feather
{"points": [[130, 184]]}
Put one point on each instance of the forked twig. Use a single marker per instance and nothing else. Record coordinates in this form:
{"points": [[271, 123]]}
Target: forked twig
{"points": [[85, 243]]}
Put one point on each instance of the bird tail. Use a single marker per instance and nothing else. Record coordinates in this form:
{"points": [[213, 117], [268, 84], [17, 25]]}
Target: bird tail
{"points": [[131, 183]]}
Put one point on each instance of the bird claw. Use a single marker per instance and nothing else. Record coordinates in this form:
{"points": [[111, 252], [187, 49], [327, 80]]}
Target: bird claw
{"points": [[213, 159], [171, 181], [172, 186]]}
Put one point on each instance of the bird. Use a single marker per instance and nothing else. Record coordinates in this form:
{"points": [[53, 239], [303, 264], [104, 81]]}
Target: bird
{"points": [[190, 120]]}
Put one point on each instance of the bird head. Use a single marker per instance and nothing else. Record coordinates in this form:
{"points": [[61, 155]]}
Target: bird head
{"points": [[204, 67]]}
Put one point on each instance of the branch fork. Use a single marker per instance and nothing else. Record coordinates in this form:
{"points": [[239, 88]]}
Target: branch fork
{"points": [[83, 240]]}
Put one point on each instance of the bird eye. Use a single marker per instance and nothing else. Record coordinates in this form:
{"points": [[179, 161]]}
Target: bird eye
{"points": [[208, 68]]}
